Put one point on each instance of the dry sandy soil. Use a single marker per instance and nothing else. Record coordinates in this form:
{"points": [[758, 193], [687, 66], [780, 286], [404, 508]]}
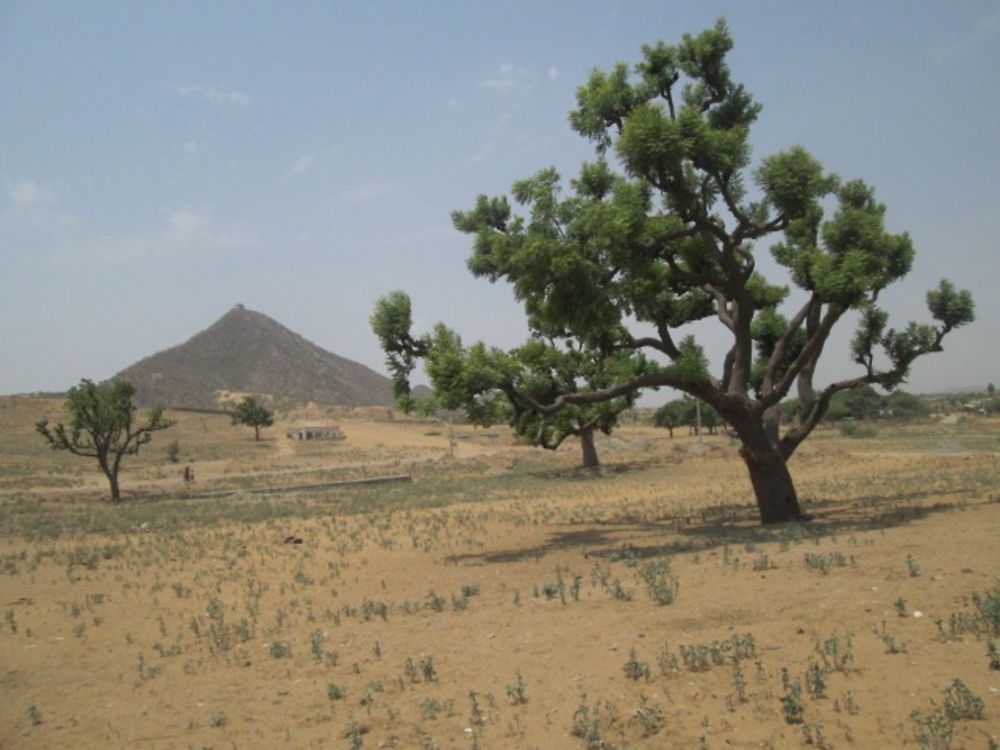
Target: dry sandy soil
{"points": [[502, 598]]}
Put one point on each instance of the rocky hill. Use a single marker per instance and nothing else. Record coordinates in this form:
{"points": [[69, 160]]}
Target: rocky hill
{"points": [[245, 352]]}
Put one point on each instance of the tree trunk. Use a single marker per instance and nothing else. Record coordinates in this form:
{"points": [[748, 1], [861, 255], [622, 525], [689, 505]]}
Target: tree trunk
{"points": [[256, 432], [116, 495], [590, 459], [772, 483], [111, 472]]}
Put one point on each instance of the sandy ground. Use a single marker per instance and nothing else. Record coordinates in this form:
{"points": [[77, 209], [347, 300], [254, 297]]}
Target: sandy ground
{"points": [[538, 607]]}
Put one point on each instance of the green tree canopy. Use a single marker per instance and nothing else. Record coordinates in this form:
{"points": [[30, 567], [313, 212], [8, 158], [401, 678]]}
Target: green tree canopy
{"points": [[624, 263], [252, 413], [493, 386], [102, 426]]}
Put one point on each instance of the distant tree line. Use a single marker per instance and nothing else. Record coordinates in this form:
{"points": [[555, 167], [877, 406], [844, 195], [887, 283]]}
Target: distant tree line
{"points": [[863, 403]]}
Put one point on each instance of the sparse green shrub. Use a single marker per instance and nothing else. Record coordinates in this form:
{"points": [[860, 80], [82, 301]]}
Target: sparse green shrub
{"points": [[962, 703], [932, 731], [476, 715], [823, 563], [516, 691], [836, 653], [173, 451], [792, 707], [280, 650], [988, 606], [635, 669], [892, 646], [586, 725], [993, 652], [649, 716], [815, 680], [661, 586], [854, 430], [427, 669], [334, 692], [435, 602]]}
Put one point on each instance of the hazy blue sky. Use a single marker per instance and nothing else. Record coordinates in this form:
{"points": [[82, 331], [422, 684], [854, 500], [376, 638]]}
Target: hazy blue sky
{"points": [[161, 162]]}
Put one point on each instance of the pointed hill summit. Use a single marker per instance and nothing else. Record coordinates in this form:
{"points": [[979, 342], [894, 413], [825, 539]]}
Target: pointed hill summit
{"points": [[246, 352]]}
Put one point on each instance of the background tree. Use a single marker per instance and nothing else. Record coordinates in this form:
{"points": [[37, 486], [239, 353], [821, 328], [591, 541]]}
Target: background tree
{"points": [[903, 405], [101, 417], [671, 415], [493, 386], [253, 414], [624, 263], [858, 403]]}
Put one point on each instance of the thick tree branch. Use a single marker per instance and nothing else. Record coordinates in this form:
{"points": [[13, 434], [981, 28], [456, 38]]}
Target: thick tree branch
{"points": [[808, 356], [781, 345]]}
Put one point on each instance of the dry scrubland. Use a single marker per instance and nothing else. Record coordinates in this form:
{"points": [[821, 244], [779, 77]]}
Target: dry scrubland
{"points": [[502, 599]]}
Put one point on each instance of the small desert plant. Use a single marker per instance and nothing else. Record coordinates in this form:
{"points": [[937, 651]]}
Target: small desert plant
{"points": [[823, 563], [353, 734], [334, 692], [662, 588], [912, 567], [739, 682], [933, 731], [900, 606], [435, 602], [667, 661], [173, 451], [993, 652], [792, 707], [430, 707], [635, 669], [218, 719], [988, 606], [280, 650], [836, 654], [815, 680], [813, 735], [34, 715], [892, 646], [516, 691], [649, 716], [476, 715], [849, 703], [586, 725], [962, 703], [316, 645], [427, 669]]}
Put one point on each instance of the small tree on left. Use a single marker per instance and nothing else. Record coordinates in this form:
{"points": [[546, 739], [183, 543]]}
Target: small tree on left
{"points": [[252, 413], [102, 426]]}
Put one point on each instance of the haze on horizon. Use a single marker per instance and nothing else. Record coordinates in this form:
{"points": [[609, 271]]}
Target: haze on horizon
{"points": [[163, 163]]}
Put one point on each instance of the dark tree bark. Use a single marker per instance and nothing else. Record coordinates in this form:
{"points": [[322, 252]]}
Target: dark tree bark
{"points": [[772, 483]]}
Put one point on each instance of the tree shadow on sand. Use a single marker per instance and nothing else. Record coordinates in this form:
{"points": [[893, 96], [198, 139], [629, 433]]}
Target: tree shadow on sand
{"points": [[630, 537]]}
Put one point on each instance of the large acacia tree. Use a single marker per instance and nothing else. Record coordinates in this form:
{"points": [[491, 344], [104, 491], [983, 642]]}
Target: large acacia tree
{"points": [[625, 262], [102, 425]]}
